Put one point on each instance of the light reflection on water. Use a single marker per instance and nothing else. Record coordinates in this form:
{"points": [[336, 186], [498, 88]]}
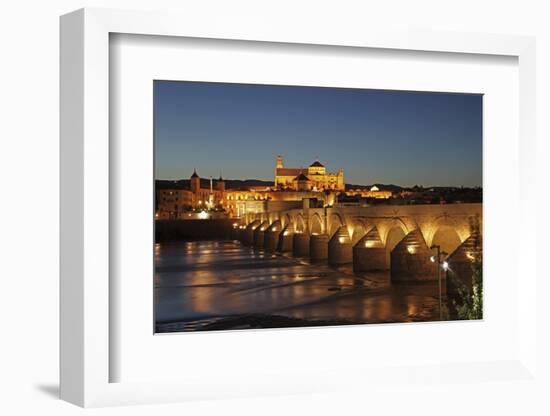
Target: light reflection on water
{"points": [[203, 280]]}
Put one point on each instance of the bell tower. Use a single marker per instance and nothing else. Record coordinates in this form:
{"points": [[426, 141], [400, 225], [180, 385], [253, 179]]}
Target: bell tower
{"points": [[221, 184], [279, 161], [278, 166], [195, 182]]}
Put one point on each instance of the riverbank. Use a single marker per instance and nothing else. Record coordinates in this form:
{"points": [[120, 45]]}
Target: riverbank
{"points": [[246, 321], [193, 230]]}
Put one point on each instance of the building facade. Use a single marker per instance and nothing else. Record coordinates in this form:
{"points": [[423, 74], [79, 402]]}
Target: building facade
{"points": [[174, 203], [290, 185], [313, 178], [372, 192]]}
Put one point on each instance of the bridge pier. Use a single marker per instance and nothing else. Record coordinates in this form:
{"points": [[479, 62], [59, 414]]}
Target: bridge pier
{"points": [[318, 247], [258, 239], [248, 233], [410, 259], [300, 245], [236, 233], [339, 248], [369, 254], [286, 240], [271, 237]]}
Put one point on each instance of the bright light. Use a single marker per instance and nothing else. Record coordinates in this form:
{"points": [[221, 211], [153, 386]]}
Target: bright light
{"points": [[432, 259], [411, 249], [274, 229], [445, 265], [235, 225], [369, 244], [341, 240], [261, 229], [203, 215], [285, 233]]}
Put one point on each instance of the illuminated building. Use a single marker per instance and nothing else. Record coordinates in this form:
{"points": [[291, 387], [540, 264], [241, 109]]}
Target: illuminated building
{"points": [[173, 203], [291, 185], [373, 192], [314, 178]]}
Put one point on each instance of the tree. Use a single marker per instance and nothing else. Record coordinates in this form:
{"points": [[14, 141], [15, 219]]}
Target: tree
{"points": [[470, 304]]}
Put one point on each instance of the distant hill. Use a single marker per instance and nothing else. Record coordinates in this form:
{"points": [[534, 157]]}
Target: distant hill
{"points": [[205, 183], [238, 183]]}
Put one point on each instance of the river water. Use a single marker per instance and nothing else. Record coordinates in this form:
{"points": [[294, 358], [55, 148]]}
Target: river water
{"points": [[207, 285]]}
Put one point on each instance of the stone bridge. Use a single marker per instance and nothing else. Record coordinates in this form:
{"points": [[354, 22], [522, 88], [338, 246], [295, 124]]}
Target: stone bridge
{"points": [[382, 237]]}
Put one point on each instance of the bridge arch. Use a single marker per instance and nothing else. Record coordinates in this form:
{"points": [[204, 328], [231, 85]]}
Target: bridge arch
{"points": [[272, 217], [359, 229], [335, 221], [447, 238], [286, 219], [390, 228], [446, 225], [393, 237], [300, 224], [316, 224]]}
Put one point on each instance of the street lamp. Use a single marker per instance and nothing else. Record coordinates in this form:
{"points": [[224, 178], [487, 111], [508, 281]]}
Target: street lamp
{"points": [[438, 258]]}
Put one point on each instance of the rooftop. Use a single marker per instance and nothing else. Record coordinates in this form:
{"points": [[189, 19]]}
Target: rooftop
{"points": [[301, 177], [289, 171]]}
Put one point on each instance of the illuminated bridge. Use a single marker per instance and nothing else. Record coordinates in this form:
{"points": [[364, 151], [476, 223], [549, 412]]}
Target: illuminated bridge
{"points": [[382, 237]]}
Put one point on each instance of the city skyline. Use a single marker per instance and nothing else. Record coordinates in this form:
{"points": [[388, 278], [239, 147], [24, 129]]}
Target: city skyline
{"points": [[390, 137]]}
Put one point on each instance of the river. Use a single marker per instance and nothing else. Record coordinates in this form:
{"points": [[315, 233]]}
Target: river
{"points": [[210, 285]]}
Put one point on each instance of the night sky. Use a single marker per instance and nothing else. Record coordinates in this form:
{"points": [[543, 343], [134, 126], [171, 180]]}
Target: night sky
{"points": [[390, 137]]}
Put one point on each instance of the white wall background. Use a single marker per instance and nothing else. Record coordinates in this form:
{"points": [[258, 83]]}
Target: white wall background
{"points": [[29, 199]]}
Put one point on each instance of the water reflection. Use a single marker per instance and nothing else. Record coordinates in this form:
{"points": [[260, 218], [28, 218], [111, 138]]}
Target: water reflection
{"points": [[198, 282]]}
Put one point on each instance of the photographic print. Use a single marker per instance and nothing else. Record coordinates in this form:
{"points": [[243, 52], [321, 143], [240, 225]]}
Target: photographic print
{"points": [[296, 206]]}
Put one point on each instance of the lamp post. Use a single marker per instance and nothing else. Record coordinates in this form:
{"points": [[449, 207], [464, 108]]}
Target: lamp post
{"points": [[441, 264]]}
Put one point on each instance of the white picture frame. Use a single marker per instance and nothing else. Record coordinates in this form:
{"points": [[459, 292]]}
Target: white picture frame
{"points": [[85, 213]]}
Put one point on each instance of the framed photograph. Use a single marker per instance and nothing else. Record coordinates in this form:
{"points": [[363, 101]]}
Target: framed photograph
{"points": [[253, 203], [392, 233]]}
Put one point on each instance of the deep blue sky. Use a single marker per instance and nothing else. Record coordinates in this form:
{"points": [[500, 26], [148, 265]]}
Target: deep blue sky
{"points": [[398, 137]]}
